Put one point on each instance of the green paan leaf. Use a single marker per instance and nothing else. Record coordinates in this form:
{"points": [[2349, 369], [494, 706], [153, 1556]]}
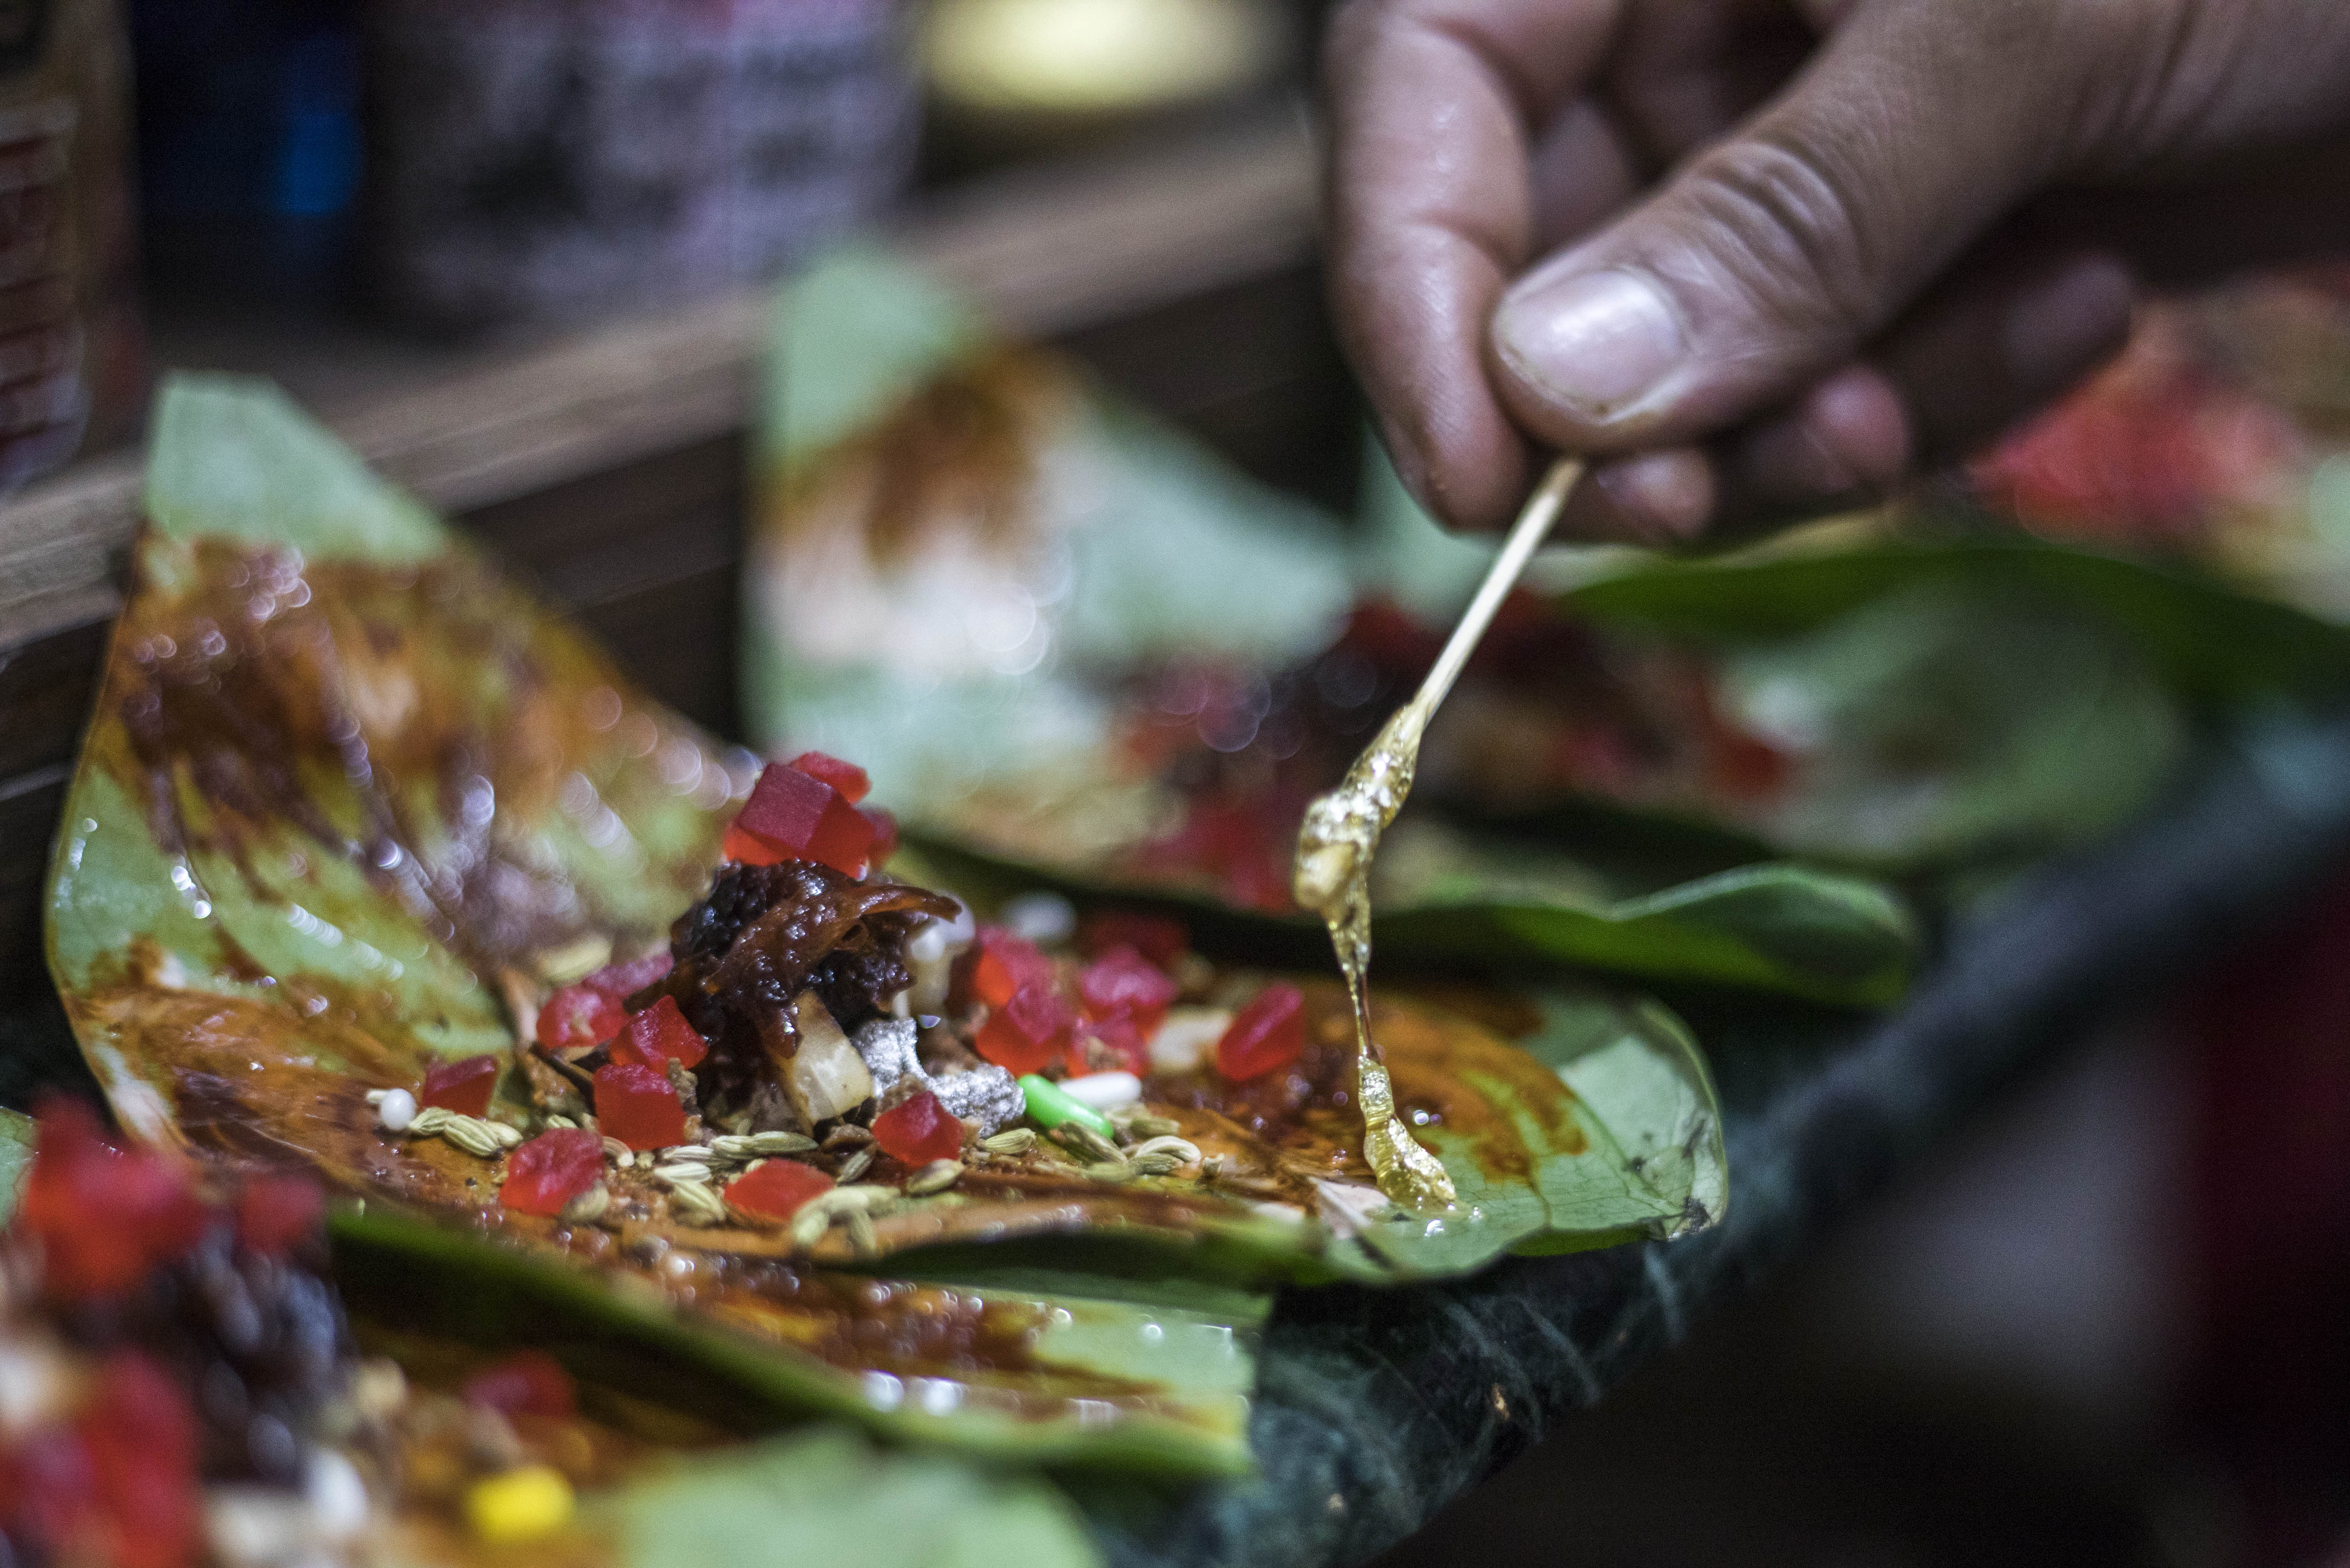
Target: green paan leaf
{"points": [[334, 813], [2206, 642], [1444, 896], [829, 1497], [332, 803]]}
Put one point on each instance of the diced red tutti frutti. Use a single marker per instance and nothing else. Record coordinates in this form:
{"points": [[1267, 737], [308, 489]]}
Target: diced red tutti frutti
{"points": [[1028, 1032], [659, 1034], [578, 1017], [527, 1383], [590, 1011], [1123, 983], [639, 1106], [105, 1216], [552, 1169], [119, 1485], [276, 1214], [918, 1130], [777, 1189], [1156, 936], [463, 1087], [792, 816], [1002, 964], [1269, 1033], [846, 778]]}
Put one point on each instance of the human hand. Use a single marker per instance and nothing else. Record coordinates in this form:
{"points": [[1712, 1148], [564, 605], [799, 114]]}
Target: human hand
{"points": [[1772, 256]]}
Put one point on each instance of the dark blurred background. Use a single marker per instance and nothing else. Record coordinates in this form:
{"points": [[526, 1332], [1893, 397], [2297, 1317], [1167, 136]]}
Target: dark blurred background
{"points": [[2104, 1328]]}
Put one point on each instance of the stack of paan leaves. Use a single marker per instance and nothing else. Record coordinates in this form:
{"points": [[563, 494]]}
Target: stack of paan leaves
{"points": [[1076, 652], [187, 1387], [660, 1060], [1743, 772]]}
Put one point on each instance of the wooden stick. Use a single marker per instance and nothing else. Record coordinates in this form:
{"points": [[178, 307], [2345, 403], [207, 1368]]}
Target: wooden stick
{"points": [[1526, 534]]}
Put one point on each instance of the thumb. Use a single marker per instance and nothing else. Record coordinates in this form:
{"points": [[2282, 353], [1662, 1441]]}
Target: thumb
{"points": [[1772, 256]]}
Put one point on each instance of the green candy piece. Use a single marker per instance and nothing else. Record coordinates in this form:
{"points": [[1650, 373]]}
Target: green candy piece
{"points": [[1049, 1108]]}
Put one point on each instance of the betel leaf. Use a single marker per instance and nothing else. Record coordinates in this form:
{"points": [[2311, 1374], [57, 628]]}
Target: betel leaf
{"points": [[1947, 721], [2207, 642], [1046, 1370], [830, 1498], [1505, 905], [332, 801]]}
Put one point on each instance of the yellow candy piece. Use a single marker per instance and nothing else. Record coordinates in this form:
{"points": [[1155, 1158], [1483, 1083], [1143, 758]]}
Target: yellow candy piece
{"points": [[520, 1505]]}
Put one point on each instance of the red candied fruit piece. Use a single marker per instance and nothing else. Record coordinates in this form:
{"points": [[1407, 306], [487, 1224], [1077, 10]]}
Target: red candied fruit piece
{"points": [[791, 816], [885, 835], [527, 1383], [846, 778], [1027, 1032], [552, 1169], [1122, 983], [589, 1012], [1156, 936], [578, 1017], [918, 1130], [660, 1034], [1002, 965], [777, 1189], [140, 1440], [639, 1106], [105, 1216], [1267, 1033], [463, 1087], [276, 1214]]}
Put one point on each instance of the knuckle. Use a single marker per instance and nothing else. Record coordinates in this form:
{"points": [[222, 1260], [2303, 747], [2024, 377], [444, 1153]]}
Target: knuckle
{"points": [[1789, 230]]}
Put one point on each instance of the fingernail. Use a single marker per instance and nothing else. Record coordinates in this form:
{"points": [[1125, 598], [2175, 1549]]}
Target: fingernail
{"points": [[1599, 343]]}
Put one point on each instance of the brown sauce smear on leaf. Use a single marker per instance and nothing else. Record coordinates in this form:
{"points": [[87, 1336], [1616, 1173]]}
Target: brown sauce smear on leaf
{"points": [[1306, 1109], [347, 701], [961, 452]]}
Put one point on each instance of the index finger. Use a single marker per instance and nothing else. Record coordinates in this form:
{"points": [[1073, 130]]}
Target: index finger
{"points": [[1433, 106]]}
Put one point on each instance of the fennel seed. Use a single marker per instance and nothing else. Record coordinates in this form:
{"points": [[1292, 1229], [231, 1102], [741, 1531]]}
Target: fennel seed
{"points": [[935, 1177], [856, 1165], [1014, 1141], [587, 1207]]}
